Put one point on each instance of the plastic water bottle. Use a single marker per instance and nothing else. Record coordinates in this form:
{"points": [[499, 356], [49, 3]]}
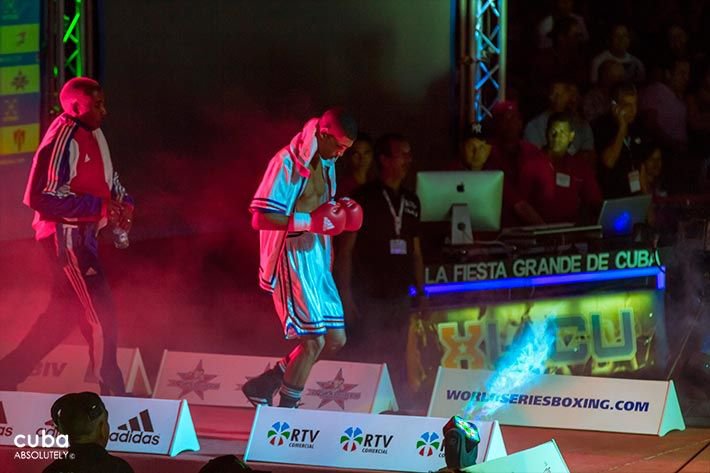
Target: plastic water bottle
{"points": [[120, 238]]}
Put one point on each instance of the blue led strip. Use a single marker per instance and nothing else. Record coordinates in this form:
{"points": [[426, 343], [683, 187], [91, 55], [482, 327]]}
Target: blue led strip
{"points": [[550, 280]]}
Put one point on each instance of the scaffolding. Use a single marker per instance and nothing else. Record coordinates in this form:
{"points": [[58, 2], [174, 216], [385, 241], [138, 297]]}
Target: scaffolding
{"points": [[482, 37], [69, 38]]}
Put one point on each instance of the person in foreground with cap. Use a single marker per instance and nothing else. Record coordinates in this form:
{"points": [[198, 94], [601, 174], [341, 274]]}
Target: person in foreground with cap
{"points": [[84, 419]]}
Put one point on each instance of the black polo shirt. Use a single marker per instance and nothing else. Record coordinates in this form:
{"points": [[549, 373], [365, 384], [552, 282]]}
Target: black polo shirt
{"points": [[614, 183], [376, 272], [89, 458]]}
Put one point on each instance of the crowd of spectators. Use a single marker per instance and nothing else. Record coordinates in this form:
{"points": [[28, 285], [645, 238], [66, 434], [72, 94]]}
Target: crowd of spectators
{"points": [[605, 99]]}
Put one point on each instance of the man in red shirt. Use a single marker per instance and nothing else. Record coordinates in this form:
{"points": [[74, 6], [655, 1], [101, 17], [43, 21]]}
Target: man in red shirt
{"points": [[74, 192], [509, 152], [561, 187]]}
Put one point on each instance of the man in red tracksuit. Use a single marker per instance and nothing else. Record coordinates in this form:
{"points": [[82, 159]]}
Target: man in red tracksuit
{"points": [[74, 192]]}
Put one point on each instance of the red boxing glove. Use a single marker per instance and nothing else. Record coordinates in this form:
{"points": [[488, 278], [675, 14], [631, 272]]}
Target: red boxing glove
{"points": [[354, 214], [328, 219]]}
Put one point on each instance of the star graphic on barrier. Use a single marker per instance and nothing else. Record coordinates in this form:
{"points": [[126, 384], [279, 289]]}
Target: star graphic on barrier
{"points": [[335, 390], [20, 81], [196, 381], [239, 385]]}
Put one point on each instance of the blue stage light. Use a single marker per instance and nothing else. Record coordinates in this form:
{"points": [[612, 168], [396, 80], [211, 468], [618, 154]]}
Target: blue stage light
{"points": [[549, 280]]}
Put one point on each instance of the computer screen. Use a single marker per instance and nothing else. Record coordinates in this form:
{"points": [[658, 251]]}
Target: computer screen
{"points": [[482, 191], [618, 216]]}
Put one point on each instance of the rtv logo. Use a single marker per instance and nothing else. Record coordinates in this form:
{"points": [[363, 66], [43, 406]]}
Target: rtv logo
{"points": [[353, 438], [429, 443], [282, 433]]}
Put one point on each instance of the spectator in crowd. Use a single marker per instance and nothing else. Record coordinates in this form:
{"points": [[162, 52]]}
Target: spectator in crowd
{"points": [[376, 265], [648, 160], [698, 104], [508, 152], [563, 98], [677, 41], [614, 134], [225, 464], [663, 106], [84, 419], [566, 59], [562, 9], [561, 187], [619, 41], [358, 165], [475, 149], [597, 101]]}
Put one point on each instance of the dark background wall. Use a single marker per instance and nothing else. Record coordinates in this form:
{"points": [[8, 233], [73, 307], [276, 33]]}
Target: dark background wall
{"points": [[202, 94]]}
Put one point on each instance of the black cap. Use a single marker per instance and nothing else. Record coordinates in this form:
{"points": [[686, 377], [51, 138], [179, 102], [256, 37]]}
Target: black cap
{"points": [[73, 413]]}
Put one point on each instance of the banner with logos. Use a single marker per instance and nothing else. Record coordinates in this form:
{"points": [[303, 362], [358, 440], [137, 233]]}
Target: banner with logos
{"points": [[596, 334], [138, 425], [358, 441], [19, 110], [567, 402], [67, 368], [543, 458], [216, 380]]}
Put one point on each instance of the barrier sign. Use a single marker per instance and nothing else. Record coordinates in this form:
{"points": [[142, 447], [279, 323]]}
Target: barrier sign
{"points": [[216, 380], [358, 441], [568, 402], [138, 425], [67, 368], [544, 458]]}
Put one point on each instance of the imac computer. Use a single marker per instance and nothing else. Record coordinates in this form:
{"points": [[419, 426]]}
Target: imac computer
{"points": [[471, 199]]}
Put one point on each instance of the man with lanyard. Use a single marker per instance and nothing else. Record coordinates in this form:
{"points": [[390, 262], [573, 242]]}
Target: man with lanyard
{"points": [[615, 134], [376, 266]]}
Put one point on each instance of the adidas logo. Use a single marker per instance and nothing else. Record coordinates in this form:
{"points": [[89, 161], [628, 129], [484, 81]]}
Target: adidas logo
{"points": [[49, 428], [138, 430], [327, 224], [91, 272], [87, 158], [5, 430]]}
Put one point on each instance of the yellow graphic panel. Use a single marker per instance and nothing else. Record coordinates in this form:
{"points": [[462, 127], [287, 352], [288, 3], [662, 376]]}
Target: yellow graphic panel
{"points": [[17, 39], [19, 139], [19, 79]]}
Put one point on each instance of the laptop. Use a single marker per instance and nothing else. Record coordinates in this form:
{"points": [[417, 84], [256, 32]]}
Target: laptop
{"points": [[617, 218]]}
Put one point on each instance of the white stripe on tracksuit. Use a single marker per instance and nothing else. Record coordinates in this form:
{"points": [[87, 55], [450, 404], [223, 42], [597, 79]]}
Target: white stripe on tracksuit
{"points": [[73, 272]]}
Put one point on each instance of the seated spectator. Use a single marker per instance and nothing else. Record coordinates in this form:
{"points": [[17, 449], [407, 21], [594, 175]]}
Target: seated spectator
{"points": [[562, 98], [562, 8], [699, 115], [614, 133], [474, 149], [648, 160], [84, 419], [566, 59], [508, 152], [619, 41], [357, 163], [664, 109], [597, 101], [561, 187], [225, 464]]}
